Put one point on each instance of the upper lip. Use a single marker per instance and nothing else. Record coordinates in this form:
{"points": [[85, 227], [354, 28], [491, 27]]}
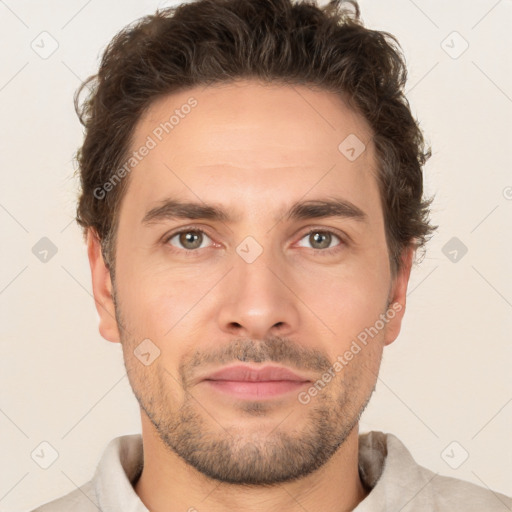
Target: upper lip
{"points": [[255, 374]]}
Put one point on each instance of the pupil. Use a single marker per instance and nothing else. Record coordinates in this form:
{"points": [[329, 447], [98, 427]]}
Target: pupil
{"points": [[316, 237], [188, 238]]}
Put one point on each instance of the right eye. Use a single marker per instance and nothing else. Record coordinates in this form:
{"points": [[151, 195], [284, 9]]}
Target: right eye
{"points": [[187, 239]]}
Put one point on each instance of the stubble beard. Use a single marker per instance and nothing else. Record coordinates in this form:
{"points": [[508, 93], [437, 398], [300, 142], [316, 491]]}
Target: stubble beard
{"points": [[228, 454]]}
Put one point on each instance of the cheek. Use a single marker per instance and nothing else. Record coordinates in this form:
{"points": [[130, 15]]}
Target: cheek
{"points": [[348, 301], [163, 305]]}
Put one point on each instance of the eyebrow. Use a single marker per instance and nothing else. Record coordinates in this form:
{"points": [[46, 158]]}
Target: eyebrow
{"points": [[171, 209]]}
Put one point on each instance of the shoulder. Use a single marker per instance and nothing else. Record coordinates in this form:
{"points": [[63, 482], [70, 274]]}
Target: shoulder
{"points": [[398, 482], [111, 485], [450, 494], [446, 494], [82, 499]]}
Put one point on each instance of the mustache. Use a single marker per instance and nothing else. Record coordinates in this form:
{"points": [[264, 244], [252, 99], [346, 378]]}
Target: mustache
{"points": [[272, 349]]}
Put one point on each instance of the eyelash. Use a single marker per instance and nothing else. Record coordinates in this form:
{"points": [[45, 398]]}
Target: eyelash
{"points": [[192, 252]]}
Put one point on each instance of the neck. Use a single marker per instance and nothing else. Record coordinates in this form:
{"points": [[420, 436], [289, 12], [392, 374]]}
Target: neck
{"points": [[167, 483]]}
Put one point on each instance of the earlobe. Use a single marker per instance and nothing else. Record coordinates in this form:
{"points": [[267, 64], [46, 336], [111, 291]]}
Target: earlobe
{"points": [[398, 294], [102, 289]]}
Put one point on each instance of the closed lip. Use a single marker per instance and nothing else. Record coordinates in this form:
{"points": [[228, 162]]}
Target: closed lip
{"points": [[246, 373]]}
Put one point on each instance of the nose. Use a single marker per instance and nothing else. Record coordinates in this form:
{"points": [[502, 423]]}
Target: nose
{"points": [[258, 299]]}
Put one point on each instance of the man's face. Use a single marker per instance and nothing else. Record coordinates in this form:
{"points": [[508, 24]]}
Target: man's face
{"points": [[257, 288]]}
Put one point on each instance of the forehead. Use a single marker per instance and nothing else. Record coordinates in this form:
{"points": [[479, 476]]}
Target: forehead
{"points": [[252, 141]]}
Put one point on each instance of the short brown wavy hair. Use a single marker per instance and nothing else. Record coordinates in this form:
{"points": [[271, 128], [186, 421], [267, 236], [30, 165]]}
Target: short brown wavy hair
{"points": [[294, 43]]}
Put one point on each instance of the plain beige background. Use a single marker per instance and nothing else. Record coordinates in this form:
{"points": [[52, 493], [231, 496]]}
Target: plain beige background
{"points": [[445, 380]]}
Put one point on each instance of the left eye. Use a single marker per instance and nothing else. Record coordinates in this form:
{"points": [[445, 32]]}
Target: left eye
{"points": [[322, 239], [189, 239]]}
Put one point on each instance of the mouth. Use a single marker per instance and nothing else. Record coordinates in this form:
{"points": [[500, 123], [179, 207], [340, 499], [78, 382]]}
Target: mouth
{"points": [[246, 382]]}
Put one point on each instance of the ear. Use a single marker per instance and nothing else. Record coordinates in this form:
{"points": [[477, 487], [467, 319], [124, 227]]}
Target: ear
{"points": [[102, 289], [397, 296]]}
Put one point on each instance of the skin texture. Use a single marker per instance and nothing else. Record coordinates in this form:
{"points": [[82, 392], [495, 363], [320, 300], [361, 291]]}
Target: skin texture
{"points": [[254, 149]]}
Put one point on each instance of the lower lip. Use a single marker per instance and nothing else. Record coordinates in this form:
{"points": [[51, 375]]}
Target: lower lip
{"points": [[256, 390]]}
